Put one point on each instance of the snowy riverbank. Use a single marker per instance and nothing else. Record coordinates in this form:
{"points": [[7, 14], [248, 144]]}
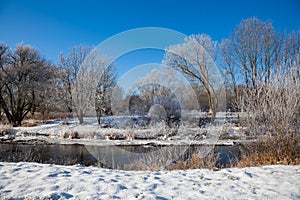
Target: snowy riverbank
{"points": [[44, 181], [69, 132]]}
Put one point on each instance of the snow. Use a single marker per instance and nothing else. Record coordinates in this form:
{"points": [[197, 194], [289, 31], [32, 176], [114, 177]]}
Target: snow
{"points": [[90, 133], [48, 181]]}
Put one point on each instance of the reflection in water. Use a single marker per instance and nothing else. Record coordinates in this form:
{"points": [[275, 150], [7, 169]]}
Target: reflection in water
{"points": [[115, 157]]}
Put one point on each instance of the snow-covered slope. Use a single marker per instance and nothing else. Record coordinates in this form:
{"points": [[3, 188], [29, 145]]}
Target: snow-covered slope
{"points": [[44, 181]]}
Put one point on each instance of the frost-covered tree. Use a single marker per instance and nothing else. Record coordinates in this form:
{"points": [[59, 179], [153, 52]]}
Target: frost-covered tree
{"points": [[156, 82], [167, 108], [164, 81], [84, 88], [158, 94], [118, 102], [69, 68], [104, 89], [87, 80], [195, 58]]}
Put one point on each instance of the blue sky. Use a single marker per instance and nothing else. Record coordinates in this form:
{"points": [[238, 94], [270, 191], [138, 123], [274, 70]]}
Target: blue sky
{"points": [[53, 26]]}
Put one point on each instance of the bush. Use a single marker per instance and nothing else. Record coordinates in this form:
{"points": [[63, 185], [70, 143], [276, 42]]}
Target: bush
{"points": [[70, 135], [274, 106], [273, 112]]}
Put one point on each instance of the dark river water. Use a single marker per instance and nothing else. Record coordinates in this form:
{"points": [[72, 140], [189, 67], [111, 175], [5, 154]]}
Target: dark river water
{"points": [[114, 157]]}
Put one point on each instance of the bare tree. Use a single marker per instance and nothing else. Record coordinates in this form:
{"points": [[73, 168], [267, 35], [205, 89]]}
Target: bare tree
{"points": [[44, 100], [156, 82], [50, 100], [255, 48], [24, 76], [104, 89], [87, 79], [4, 59], [231, 72], [137, 105], [84, 87], [196, 59], [69, 68], [290, 53]]}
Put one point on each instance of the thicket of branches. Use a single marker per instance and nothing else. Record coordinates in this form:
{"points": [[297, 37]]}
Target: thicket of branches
{"points": [[273, 106], [262, 71], [24, 81]]}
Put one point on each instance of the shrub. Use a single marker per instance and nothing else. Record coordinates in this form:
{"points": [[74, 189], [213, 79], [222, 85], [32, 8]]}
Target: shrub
{"points": [[70, 135], [273, 112], [274, 106]]}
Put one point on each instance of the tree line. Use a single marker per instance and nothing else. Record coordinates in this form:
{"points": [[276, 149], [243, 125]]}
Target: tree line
{"points": [[254, 62], [30, 84]]}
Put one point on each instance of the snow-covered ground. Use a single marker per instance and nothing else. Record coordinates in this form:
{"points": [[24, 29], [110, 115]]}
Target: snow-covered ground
{"points": [[44, 181], [90, 132]]}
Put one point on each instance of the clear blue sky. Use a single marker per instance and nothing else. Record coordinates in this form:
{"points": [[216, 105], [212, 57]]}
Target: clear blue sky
{"points": [[56, 25]]}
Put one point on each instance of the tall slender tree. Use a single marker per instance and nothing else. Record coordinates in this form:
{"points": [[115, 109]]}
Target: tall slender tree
{"points": [[69, 68], [104, 88]]}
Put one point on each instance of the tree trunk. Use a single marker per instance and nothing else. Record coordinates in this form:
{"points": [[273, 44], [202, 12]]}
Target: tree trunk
{"points": [[98, 112], [80, 117], [212, 101]]}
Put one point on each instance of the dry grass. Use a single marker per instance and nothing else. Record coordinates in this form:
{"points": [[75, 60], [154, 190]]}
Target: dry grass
{"points": [[196, 162], [272, 151], [51, 115], [29, 124], [268, 150]]}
